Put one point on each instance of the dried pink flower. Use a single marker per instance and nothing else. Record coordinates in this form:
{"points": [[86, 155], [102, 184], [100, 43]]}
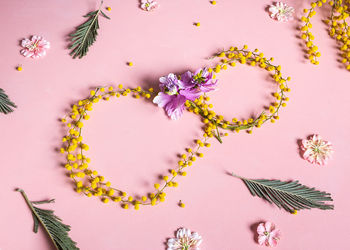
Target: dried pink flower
{"points": [[268, 235], [149, 5], [185, 240], [281, 12], [316, 150], [35, 47]]}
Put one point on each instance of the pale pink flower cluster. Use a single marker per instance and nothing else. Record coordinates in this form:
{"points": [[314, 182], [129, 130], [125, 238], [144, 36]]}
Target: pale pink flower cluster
{"points": [[149, 5], [34, 47], [268, 235], [281, 12], [316, 150]]}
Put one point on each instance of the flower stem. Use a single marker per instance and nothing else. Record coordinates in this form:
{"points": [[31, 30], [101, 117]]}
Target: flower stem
{"points": [[217, 135]]}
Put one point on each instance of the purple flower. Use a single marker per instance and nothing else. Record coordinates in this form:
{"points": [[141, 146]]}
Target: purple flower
{"points": [[202, 79], [170, 84], [175, 92], [173, 96]]}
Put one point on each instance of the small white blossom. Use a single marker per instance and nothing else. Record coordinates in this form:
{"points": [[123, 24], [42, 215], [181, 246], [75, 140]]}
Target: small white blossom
{"points": [[149, 5], [281, 12], [316, 150], [185, 240]]}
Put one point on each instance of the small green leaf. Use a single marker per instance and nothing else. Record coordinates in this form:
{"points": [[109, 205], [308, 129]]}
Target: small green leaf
{"points": [[6, 104], [36, 223], [104, 15]]}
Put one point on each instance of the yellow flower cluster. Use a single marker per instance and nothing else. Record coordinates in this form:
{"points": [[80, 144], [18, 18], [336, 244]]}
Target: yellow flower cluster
{"points": [[230, 57], [89, 181], [338, 29]]}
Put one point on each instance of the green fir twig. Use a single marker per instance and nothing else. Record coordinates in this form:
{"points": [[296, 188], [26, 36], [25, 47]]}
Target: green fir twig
{"points": [[85, 34], [56, 230], [289, 195]]}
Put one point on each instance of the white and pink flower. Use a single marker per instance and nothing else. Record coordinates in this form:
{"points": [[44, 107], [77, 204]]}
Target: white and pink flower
{"points": [[34, 47], [316, 150], [281, 12], [268, 235], [185, 240], [149, 5]]}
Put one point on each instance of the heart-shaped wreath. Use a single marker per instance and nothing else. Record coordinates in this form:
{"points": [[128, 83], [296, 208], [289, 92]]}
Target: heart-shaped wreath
{"points": [[180, 92]]}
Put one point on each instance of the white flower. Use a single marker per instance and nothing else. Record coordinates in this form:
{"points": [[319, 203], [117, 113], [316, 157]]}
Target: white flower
{"points": [[185, 240], [317, 150], [149, 5], [281, 12]]}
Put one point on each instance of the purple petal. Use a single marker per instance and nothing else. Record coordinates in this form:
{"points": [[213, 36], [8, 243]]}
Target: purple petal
{"points": [[186, 80], [163, 79], [210, 85], [175, 107], [190, 94], [162, 99]]}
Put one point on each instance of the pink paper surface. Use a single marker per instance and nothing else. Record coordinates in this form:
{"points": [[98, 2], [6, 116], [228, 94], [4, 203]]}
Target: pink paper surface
{"points": [[132, 142]]}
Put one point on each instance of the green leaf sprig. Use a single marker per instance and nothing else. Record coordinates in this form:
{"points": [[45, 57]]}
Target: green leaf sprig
{"points": [[289, 195], [85, 34], [6, 105], [57, 231]]}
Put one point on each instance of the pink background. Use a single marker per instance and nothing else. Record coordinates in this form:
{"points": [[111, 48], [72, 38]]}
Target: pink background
{"points": [[131, 142]]}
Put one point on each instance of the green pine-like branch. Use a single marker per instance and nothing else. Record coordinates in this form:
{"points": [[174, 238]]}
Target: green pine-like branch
{"points": [[289, 195], [6, 105], [57, 231], [85, 34]]}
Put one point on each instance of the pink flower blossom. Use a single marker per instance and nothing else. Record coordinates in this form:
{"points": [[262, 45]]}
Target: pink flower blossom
{"points": [[185, 240], [316, 150], [35, 47], [149, 5], [281, 12], [268, 235]]}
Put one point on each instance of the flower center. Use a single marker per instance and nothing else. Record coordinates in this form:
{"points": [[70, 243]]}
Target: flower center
{"points": [[317, 148], [282, 11], [185, 247], [171, 90], [266, 233], [32, 46], [199, 78]]}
